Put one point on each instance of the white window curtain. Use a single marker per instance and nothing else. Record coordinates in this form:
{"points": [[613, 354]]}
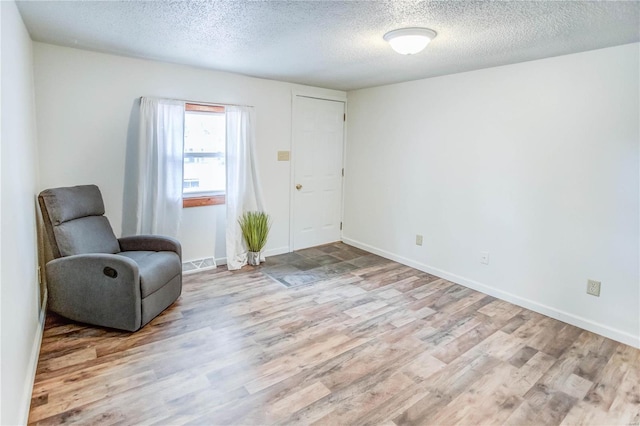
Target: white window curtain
{"points": [[243, 186], [159, 169]]}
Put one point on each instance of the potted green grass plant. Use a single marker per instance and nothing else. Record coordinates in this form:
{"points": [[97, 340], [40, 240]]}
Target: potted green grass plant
{"points": [[255, 230]]}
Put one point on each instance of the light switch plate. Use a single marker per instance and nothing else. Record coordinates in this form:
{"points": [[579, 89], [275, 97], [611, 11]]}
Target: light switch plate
{"points": [[283, 155]]}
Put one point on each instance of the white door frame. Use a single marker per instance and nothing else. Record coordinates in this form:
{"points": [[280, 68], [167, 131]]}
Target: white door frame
{"points": [[336, 97]]}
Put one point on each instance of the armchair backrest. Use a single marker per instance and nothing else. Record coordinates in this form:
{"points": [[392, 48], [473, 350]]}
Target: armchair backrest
{"points": [[74, 221]]}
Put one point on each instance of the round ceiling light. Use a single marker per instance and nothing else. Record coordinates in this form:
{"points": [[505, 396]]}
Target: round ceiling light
{"points": [[409, 41]]}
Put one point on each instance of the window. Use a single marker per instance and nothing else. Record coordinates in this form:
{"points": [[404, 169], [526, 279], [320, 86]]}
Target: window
{"points": [[204, 171]]}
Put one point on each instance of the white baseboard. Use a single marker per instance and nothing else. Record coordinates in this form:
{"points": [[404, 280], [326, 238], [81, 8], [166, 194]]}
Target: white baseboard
{"points": [[33, 363], [578, 321], [271, 252], [276, 251]]}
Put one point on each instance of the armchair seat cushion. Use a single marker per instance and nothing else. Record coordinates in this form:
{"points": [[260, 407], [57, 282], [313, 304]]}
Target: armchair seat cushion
{"points": [[156, 268]]}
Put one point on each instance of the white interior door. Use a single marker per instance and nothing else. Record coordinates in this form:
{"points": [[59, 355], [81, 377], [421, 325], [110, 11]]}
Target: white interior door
{"points": [[318, 138]]}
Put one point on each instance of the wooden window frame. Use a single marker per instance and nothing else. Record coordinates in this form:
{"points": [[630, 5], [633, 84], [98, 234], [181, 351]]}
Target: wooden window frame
{"points": [[204, 108], [203, 200], [200, 200]]}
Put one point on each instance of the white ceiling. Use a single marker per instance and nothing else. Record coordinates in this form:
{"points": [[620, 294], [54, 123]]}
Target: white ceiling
{"points": [[333, 44]]}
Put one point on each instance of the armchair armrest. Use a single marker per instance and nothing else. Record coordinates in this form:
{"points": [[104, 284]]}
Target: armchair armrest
{"points": [[102, 289], [151, 243]]}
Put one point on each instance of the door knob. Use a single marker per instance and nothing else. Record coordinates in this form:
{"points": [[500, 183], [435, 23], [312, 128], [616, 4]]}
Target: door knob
{"points": [[298, 187]]}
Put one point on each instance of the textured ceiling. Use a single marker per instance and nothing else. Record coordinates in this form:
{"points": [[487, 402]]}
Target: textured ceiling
{"points": [[333, 44]]}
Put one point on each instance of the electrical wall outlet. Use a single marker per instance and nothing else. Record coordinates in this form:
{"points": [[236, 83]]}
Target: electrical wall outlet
{"points": [[484, 257], [593, 287], [418, 240], [283, 155]]}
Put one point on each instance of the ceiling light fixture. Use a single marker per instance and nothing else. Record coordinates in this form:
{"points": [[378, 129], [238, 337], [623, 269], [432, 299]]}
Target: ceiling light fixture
{"points": [[409, 41]]}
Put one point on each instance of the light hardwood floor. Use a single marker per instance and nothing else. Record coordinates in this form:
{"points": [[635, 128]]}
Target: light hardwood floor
{"points": [[356, 339]]}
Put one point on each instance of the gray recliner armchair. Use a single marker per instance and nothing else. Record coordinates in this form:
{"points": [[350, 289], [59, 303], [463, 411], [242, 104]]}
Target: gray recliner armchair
{"points": [[98, 279]]}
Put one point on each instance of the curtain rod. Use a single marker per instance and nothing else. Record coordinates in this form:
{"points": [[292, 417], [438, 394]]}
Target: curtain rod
{"points": [[199, 102]]}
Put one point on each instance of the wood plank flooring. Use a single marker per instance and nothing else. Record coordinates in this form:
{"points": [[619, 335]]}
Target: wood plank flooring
{"points": [[375, 342]]}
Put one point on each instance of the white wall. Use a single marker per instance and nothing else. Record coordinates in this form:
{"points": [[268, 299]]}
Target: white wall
{"points": [[85, 102], [21, 326], [536, 163]]}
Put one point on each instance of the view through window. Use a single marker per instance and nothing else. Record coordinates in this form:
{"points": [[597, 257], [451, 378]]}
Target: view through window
{"points": [[204, 172]]}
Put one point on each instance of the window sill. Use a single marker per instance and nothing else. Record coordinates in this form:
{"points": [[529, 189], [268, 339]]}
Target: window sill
{"points": [[209, 200]]}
